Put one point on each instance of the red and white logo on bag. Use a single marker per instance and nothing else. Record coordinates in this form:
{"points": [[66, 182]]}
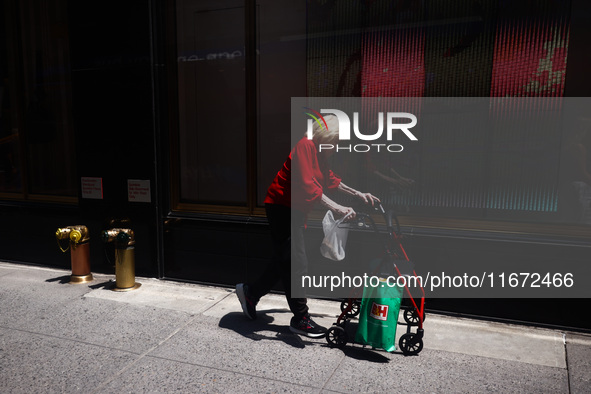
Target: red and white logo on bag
{"points": [[379, 312]]}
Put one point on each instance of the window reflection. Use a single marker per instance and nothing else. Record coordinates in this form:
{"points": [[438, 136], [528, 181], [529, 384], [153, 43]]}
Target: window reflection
{"points": [[10, 167], [212, 102], [36, 132]]}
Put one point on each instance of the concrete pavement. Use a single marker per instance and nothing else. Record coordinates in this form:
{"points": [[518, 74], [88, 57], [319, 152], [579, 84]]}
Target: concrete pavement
{"points": [[175, 337]]}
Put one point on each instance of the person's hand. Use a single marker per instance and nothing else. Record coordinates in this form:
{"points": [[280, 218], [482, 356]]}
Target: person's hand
{"points": [[368, 198], [344, 211]]}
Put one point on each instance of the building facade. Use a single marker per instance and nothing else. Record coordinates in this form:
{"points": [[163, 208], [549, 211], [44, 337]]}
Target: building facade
{"points": [[172, 117]]}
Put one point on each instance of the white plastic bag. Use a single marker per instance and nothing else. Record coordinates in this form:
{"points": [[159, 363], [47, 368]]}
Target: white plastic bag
{"points": [[335, 237]]}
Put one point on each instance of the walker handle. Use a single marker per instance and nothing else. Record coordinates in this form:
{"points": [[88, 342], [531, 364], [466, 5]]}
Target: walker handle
{"points": [[388, 216]]}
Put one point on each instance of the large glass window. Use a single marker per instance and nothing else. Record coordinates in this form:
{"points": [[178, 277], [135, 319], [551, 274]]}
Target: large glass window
{"points": [[465, 49], [212, 102], [281, 74], [214, 67], [10, 154], [36, 130], [381, 48]]}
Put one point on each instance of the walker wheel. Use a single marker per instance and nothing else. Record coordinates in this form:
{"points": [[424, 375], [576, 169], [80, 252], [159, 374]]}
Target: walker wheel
{"points": [[411, 316], [409, 345], [355, 308], [336, 337]]}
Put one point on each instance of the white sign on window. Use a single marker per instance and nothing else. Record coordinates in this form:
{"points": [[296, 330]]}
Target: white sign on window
{"points": [[92, 188], [138, 190]]}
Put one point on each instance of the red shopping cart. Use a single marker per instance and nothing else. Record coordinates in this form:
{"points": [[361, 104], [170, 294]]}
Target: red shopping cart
{"points": [[413, 305]]}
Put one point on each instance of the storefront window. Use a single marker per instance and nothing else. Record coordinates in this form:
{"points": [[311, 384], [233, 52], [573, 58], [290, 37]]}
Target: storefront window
{"points": [[212, 102], [281, 75], [381, 49], [36, 130], [475, 49], [10, 158]]}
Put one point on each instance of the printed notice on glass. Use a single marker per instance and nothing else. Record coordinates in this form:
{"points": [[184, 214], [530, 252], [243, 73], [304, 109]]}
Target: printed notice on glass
{"points": [[138, 190], [92, 188]]}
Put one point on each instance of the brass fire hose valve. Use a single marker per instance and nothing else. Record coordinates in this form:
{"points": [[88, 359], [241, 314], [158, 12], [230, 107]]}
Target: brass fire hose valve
{"points": [[78, 238], [120, 236], [75, 234], [124, 240]]}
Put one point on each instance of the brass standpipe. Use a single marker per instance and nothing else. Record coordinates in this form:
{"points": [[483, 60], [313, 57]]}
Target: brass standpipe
{"points": [[79, 245], [124, 240]]}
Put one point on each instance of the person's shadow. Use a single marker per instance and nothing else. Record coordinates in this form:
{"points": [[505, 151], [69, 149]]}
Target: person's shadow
{"points": [[263, 328]]}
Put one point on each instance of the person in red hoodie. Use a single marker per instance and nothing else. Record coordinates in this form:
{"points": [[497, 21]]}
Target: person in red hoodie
{"points": [[296, 189]]}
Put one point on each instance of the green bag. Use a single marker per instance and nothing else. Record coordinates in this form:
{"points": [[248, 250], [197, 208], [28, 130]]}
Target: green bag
{"points": [[378, 316]]}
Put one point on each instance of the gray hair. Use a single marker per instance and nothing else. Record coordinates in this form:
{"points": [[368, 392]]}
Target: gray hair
{"points": [[322, 136]]}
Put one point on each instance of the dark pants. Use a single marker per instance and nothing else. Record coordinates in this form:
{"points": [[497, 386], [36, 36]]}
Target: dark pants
{"points": [[287, 231]]}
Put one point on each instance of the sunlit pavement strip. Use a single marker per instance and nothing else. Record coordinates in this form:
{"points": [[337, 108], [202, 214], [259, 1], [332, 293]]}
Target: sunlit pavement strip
{"points": [[579, 340], [495, 340], [181, 297], [472, 337]]}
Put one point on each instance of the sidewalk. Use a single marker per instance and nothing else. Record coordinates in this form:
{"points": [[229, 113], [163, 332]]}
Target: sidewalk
{"points": [[168, 336]]}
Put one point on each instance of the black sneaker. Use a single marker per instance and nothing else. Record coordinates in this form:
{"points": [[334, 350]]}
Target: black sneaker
{"points": [[248, 305], [306, 326]]}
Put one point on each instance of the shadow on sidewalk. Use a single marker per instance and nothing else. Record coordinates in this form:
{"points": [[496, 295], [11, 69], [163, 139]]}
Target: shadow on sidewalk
{"points": [[366, 354], [64, 280], [263, 329], [61, 279], [363, 352]]}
